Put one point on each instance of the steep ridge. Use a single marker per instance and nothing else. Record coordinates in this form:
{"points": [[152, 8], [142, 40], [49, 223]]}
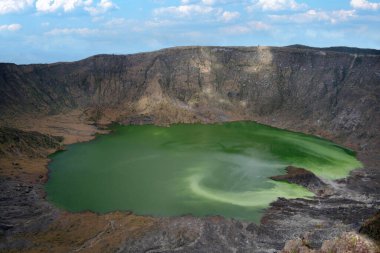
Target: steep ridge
{"points": [[335, 91]]}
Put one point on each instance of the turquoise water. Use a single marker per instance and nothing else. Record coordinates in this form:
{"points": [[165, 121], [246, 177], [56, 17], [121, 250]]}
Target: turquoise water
{"points": [[220, 169]]}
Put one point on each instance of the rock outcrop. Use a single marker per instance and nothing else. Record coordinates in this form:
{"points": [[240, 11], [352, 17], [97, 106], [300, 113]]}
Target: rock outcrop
{"points": [[304, 178], [371, 227], [293, 87], [17, 142]]}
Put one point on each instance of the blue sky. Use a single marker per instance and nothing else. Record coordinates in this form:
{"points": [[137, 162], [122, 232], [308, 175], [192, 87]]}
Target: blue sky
{"points": [[42, 31]]}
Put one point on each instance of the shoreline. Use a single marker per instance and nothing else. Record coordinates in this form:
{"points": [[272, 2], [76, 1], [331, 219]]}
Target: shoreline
{"points": [[264, 220]]}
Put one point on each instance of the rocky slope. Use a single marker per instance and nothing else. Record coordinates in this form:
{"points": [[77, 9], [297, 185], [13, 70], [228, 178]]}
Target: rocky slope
{"points": [[331, 92]]}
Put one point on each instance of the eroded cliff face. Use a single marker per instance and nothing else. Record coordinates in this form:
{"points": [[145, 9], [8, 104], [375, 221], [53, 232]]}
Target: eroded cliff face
{"points": [[334, 91]]}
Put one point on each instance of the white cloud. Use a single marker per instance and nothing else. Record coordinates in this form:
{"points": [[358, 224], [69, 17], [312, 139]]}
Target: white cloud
{"points": [[75, 31], [252, 26], [315, 15], [8, 6], [229, 15], [115, 22], [276, 5], [184, 10], [157, 23], [197, 8], [336, 34], [11, 27], [342, 15], [364, 4], [258, 25], [66, 5], [209, 2], [101, 7]]}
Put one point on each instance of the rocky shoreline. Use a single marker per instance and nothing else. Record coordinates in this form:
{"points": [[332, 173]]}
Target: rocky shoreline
{"points": [[26, 214]]}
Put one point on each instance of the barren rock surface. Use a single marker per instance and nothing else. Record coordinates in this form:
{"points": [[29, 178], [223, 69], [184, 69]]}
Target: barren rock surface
{"points": [[304, 178]]}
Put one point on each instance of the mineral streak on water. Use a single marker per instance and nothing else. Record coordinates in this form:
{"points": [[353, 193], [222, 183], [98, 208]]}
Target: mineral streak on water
{"points": [[219, 169]]}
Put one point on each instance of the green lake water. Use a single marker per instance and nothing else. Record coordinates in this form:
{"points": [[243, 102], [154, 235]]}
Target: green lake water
{"points": [[218, 169]]}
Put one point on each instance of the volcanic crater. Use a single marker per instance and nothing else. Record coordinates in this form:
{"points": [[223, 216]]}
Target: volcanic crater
{"points": [[327, 92]]}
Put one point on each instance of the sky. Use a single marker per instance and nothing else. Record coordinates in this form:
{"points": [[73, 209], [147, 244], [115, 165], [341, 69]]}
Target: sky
{"points": [[45, 31]]}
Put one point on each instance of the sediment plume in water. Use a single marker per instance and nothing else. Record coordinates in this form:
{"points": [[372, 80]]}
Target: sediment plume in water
{"points": [[219, 169]]}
